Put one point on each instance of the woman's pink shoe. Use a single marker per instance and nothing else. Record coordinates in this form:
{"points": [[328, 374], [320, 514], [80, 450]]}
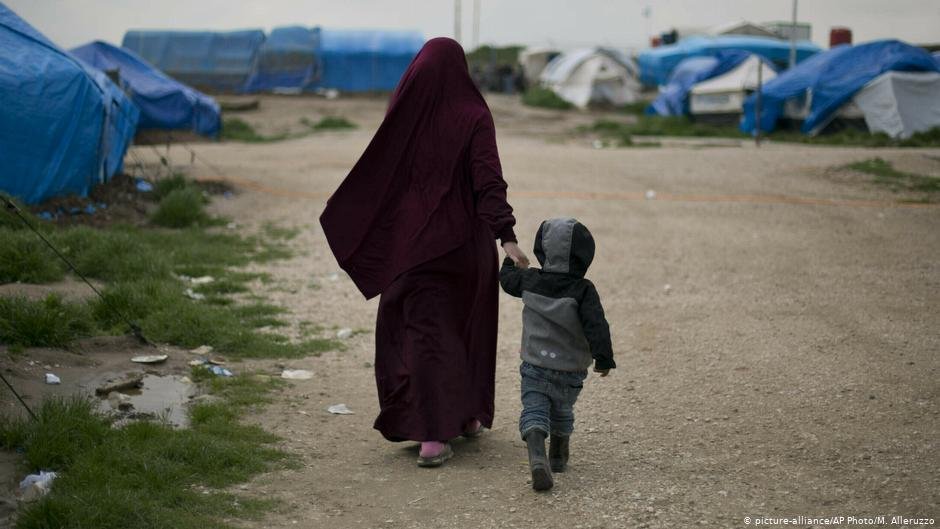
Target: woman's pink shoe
{"points": [[474, 429], [434, 453]]}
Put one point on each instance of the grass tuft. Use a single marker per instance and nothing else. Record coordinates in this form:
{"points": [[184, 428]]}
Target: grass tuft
{"points": [[145, 474], [544, 98], [329, 123], [181, 208], [50, 322], [235, 129], [885, 174], [165, 186]]}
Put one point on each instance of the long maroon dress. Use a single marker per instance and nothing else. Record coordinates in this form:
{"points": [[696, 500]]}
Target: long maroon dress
{"points": [[415, 221]]}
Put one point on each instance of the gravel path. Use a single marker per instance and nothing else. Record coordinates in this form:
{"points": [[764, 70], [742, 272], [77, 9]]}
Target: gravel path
{"points": [[776, 358]]}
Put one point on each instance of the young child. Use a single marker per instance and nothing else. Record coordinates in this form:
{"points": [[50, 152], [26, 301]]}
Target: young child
{"points": [[563, 330]]}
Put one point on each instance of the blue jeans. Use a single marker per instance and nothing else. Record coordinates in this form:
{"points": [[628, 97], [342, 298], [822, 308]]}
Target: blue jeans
{"points": [[548, 398]]}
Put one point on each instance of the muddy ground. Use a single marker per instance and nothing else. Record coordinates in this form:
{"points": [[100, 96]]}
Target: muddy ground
{"points": [[775, 322]]}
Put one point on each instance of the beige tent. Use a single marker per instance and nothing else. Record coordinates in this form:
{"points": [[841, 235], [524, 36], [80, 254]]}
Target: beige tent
{"points": [[593, 75]]}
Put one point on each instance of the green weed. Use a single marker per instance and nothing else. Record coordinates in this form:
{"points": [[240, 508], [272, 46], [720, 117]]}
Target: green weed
{"points": [[544, 98]]}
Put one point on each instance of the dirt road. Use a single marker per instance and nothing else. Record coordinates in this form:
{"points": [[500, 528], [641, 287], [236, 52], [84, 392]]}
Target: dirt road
{"points": [[777, 357]]}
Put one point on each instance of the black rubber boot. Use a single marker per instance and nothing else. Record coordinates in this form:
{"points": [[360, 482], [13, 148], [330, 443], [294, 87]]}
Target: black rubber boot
{"points": [[558, 453], [538, 462]]}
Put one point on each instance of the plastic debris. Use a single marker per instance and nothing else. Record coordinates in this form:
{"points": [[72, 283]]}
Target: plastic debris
{"points": [[202, 350], [35, 486], [342, 334], [89, 209], [204, 280], [297, 374], [650, 194], [45, 215], [144, 186], [52, 379], [194, 295], [597, 144], [219, 371], [333, 277], [667, 288], [149, 359], [231, 225], [339, 409]]}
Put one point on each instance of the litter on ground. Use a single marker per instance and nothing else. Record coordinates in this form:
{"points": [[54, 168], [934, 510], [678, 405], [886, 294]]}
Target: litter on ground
{"points": [[297, 374], [339, 409]]}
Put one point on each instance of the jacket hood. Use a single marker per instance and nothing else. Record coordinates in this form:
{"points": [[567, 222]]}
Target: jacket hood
{"points": [[564, 246]]}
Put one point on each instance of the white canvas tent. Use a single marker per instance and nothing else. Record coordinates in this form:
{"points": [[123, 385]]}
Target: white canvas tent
{"points": [[901, 103], [534, 60], [592, 75], [723, 96]]}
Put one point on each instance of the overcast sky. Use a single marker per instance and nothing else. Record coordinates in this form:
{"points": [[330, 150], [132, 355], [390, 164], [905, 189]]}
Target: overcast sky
{"points": [[562, 23]]}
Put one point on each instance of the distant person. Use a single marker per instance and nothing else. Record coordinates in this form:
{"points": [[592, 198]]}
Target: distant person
{"points": [[415, 221], [563, 331]]}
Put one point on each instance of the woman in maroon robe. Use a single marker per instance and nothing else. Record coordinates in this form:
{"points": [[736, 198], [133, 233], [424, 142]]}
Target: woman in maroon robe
{"points": [[415, 221]]}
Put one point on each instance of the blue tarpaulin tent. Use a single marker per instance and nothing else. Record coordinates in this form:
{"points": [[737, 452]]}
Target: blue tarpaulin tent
{"points": [[832, 78], [365, 60], [673, 99], [163, 102], [656, 64], [64, 127], [287, 60], [215, 61]]}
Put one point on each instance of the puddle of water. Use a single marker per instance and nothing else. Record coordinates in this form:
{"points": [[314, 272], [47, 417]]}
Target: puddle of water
{"points": [[162, 396]]}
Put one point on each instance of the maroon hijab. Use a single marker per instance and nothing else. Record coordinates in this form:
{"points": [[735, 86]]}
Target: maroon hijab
{"points": [[408, 199]]}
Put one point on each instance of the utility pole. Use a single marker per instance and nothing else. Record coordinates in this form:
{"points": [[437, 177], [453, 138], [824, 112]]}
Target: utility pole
{"points": [[793, 37], [476, 24], [457, 20]]}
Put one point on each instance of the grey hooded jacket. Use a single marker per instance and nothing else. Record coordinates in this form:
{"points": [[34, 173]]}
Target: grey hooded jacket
{"points": [[563, 323]]}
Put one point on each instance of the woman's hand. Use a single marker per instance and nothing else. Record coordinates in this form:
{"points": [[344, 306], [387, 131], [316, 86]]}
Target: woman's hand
{"points": [[516, 254]]}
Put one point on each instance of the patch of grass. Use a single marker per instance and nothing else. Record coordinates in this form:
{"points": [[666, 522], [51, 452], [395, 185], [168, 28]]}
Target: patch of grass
{"points": [[885, 174], [49, 322], [243, 390], [657, 126], [165, 186], [329, 123], [181, 208], [10, 220], [636, 108], [682, 126], [25, 258], [544, 98], [235, 129], [277, 232], [145, 474]]}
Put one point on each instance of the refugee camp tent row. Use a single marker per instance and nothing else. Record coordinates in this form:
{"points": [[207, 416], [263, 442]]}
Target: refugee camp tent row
{"points": [[674, 100], [64, 127], [163, 102], [287, 62], [592, 75], [891, 82], [656, 64], [291, 59], [720, 100], [356, 60], [533, 61], [207, 60]]}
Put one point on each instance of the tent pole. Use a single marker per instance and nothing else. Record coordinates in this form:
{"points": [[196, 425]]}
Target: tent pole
{"points": [[457, 24], [476, 24], [793, 37], [757, 103]]}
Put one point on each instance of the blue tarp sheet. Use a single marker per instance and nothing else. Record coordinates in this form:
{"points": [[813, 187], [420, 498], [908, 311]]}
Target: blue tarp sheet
{"points": [[164, 103], [656, 64], [673, 99], [64, 127], [365, 60], [208, 60], [287, 60], [832, 78]]}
